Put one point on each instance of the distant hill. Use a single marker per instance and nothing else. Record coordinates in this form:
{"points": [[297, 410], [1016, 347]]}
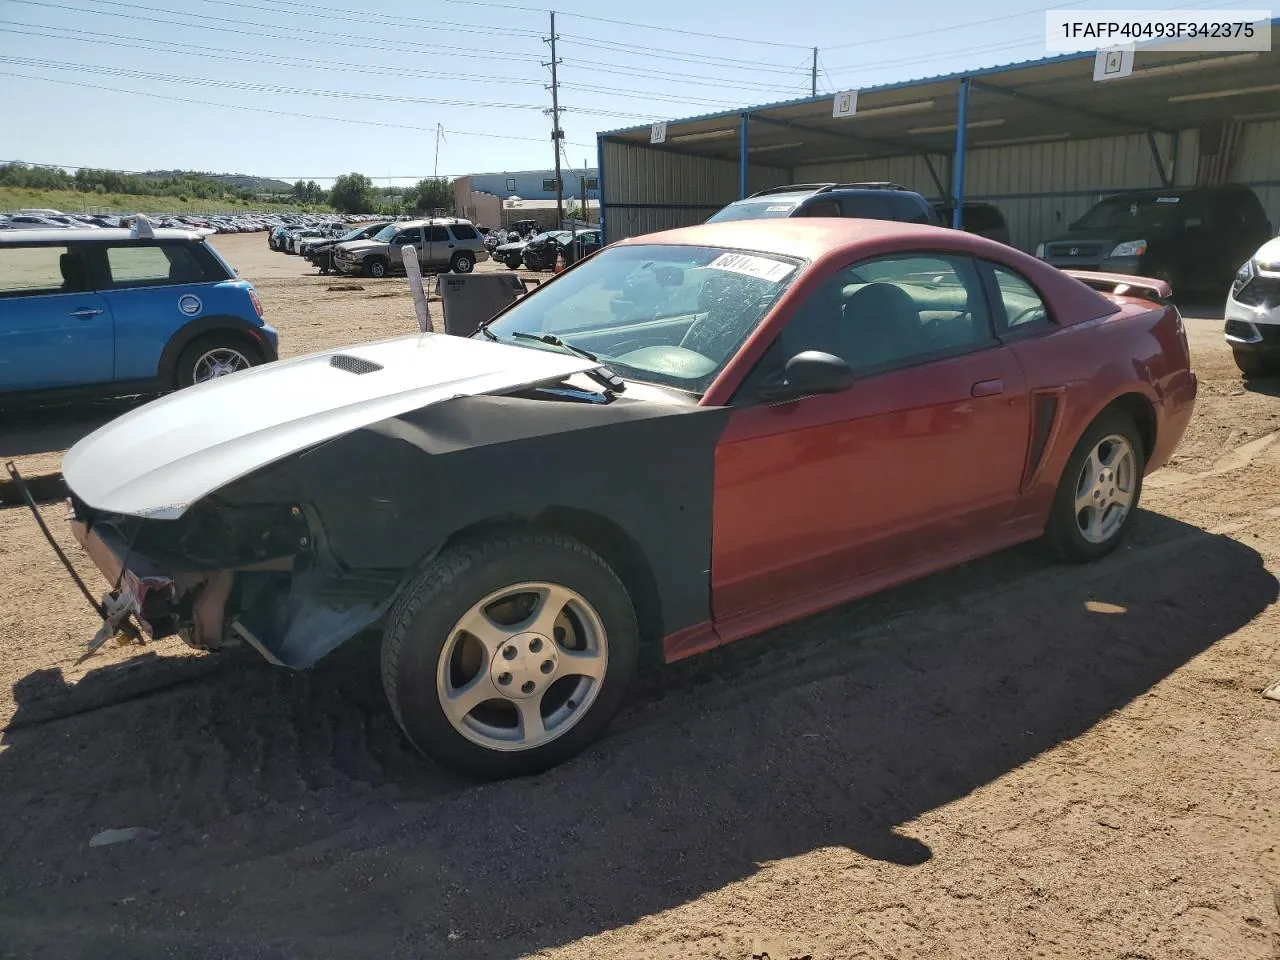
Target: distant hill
{"points": [[240, 181]]}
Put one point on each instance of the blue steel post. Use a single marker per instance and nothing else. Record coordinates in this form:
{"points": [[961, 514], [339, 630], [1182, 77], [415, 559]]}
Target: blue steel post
{"points": [[957, 185], [742, 156], [604, 237]]}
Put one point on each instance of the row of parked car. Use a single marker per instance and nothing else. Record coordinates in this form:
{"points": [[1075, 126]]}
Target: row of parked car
{"points": [[374, 249], [46, 219]]}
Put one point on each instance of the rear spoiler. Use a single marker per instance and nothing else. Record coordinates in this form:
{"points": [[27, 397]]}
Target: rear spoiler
{"points": [[1122, 285]]}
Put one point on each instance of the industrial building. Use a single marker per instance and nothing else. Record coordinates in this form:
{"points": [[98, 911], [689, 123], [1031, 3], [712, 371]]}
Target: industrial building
{"points": [[1042, 140], [493, 199]]}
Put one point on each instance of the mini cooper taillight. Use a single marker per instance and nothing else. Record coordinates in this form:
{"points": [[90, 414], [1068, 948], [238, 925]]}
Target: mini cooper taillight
{"points": [[257, 304]]}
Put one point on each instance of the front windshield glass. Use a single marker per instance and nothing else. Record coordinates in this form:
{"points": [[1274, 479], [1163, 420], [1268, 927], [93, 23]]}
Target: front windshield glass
{"points": [[386, 233], [755, 210], [668, 315], [1131, 213]]}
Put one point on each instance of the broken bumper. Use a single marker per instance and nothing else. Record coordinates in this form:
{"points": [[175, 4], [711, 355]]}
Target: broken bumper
{"points": [[147, 592]]}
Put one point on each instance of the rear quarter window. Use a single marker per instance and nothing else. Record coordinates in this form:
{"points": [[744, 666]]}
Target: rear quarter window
{"points": [[464, 231], [36, 270], [161, 264]]}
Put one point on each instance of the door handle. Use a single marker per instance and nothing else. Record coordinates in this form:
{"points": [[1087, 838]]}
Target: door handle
{"points": [[85, 313], [987, 388]]}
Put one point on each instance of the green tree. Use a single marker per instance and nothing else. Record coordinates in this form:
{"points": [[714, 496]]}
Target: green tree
{"points": [[352, 193], [431, 194]]}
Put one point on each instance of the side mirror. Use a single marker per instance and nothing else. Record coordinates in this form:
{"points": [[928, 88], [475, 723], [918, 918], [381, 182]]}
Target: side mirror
{"points": [[808, 373]]}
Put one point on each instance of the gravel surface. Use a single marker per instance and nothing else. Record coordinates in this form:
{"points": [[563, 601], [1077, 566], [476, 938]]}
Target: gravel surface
{"points": [[1012, 759]]}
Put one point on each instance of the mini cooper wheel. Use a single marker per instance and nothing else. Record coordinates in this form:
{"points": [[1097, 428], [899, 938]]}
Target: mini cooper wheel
{"points": [[1099, 490], [213, 356], [509, 655], [462, 263], [375, 267]]}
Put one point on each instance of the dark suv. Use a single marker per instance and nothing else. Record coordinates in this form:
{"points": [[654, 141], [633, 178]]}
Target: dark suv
{"points": [[869, 201], [1193, 238]]}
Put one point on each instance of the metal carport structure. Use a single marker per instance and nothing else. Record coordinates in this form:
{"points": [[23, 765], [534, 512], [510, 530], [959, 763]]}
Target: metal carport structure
{"points": [[1041, 139]]}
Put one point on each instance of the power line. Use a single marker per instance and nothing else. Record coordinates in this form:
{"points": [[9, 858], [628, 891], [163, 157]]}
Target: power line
{"points": [[292, 91], [954, 27], [324, 38], [243, 56], [459, 27], [687, 79], [128, 73], [278, 113], [701, 35], [321, 37], [685, 56], [282, 60], [311, 9]]}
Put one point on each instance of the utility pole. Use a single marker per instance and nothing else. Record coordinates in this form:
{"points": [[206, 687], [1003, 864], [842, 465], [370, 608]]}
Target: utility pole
{"points": [[813, 75], [556, 133], [435, 171]]}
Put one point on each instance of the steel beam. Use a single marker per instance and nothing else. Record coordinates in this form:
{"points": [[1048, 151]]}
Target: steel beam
{"points": [[957, 185], [1049, 104]]}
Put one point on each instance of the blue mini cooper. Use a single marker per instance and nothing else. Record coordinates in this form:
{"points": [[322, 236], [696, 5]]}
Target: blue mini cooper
{"points": [[121, 312]]}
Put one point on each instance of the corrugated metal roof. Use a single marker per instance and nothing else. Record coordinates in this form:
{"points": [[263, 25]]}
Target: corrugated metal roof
{"points": [[1027, 68]]}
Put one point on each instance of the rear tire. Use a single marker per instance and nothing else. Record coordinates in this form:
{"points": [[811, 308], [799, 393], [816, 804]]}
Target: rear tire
{"points": [[543, 666], [214, 355], [462, 263], [1099, 491]]}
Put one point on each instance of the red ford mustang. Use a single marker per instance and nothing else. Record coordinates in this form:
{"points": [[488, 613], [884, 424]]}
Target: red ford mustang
{"points": [[689, 437]]}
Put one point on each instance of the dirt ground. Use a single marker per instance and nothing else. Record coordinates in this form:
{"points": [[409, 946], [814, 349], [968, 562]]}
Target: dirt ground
{"points": [[1010, 760]]}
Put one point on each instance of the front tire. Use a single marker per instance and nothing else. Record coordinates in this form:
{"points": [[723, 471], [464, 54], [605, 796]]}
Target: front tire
{"points": [[1099, 491], [509, 655], [375, 268], [214, 355]]}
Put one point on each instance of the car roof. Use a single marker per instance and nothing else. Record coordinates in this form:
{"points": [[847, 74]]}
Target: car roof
{"points": [[429, 221], [809, 237], [94, 235]]}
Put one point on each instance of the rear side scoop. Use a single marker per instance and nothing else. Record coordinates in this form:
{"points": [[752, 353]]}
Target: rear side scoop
{"points": [[1122, 285]]}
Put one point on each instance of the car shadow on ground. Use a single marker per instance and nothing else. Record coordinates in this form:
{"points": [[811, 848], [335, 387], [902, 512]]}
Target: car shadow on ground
{"points": [[31, 430], [1267, 384], [837, 731]]}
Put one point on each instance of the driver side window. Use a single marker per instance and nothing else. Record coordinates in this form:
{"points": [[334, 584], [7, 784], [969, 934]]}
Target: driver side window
{"points": [[884, 314], [893, 311]]}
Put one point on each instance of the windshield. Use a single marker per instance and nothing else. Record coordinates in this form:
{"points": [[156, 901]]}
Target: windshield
{"points": [[755, 210], [386, 233], [1131, 213], [668, 315]]}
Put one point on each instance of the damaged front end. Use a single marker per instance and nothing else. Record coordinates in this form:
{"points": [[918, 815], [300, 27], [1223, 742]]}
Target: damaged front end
{"points": [[226, 572]]}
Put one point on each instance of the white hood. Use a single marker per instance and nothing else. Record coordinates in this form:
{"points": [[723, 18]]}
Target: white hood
{"points": [[159, 459]]}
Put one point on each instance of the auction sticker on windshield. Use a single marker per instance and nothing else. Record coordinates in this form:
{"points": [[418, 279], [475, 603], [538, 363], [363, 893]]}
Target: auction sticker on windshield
{"points": [[762, 268]]}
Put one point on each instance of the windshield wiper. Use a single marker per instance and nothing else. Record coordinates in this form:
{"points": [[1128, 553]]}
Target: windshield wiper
{"points": [[601, 375]]}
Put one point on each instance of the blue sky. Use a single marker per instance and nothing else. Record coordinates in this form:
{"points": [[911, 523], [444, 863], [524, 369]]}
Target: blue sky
{"points": [[275, 87]]}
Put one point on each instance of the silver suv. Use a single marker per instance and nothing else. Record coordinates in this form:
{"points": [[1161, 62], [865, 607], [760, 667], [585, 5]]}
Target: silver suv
{"points": [[444, 243]]}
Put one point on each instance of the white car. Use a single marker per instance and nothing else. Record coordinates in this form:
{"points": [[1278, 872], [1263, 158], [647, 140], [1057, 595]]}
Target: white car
{"points": [[1253, 311]]}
